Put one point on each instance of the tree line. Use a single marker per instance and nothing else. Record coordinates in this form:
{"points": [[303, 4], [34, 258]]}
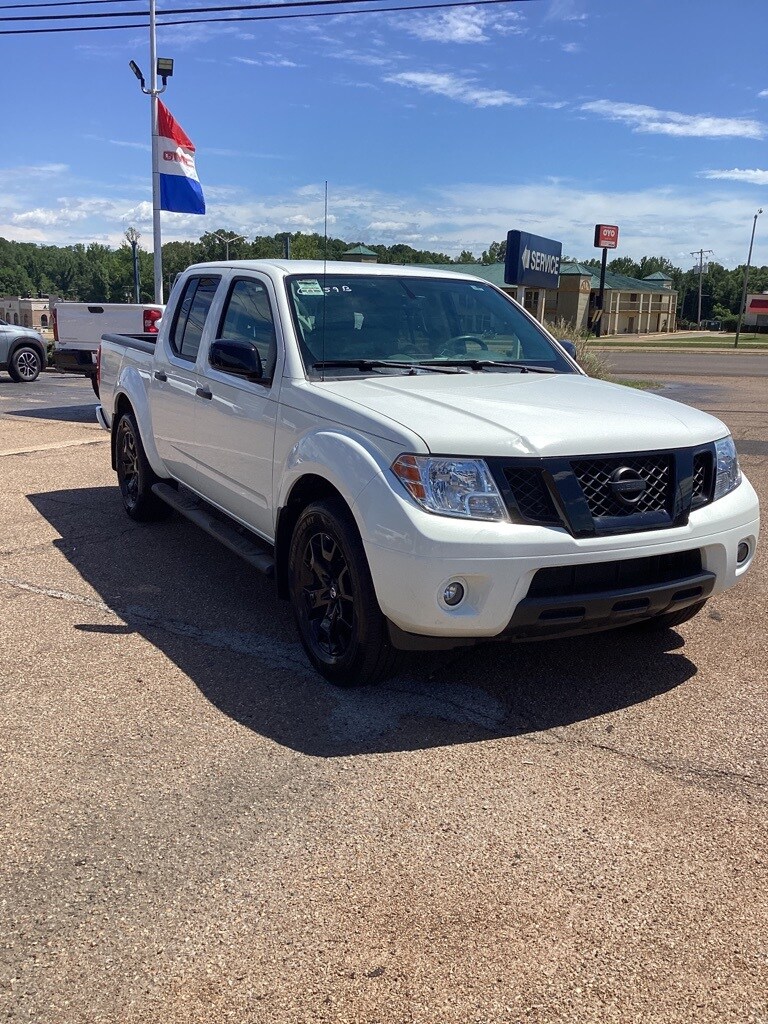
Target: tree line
{"points": [[100, 273]]}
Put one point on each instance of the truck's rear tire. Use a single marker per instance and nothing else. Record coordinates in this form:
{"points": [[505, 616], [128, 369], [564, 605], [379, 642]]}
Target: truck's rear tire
{"points": [[135, 476], [338, 618], [25, 364]]}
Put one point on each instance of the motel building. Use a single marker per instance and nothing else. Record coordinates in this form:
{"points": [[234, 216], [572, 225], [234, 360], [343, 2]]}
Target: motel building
{"points": [[26, 312]]}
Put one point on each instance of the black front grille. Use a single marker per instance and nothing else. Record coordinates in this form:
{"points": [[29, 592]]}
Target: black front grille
{"points": [[578, 580], [593, 495], [595, 478], [530, 494]]}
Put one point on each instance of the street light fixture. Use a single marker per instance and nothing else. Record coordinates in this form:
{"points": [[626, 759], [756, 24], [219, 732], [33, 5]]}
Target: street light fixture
{"points": [[227, 241], [743, 306]]}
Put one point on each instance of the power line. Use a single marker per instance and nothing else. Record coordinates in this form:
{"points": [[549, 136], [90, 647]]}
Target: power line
{"points": [[68, 3], [176, 10], [258, 17]]}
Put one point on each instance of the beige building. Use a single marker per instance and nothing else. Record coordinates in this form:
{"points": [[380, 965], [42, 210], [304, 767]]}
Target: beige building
{"points": [[34, 313]]}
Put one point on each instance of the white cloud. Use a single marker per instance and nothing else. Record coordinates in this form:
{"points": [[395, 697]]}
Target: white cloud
{"points": [[570, 48], [462, 25], [463, 90], [669, 122], [763, 94], [752, 177]]}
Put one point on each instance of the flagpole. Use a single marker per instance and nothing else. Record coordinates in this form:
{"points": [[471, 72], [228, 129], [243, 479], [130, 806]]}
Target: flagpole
{"points": [[154, 92]]}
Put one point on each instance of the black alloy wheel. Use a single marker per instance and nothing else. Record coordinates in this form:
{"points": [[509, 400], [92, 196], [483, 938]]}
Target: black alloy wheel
{"points": [[135, 476], [340, 624]]}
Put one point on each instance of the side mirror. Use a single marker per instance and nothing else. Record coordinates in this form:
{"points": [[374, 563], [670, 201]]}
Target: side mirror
{"points": [[240, 358], [569, 347]]}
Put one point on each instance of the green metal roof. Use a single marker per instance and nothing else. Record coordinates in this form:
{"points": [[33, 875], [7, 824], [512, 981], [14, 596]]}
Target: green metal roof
{"points": [[658, 276], [360, 250], [494, 274]]}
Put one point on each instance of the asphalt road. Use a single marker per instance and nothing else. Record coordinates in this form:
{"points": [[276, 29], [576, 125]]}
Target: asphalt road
{"points": [[196, 829], [688, 364]]}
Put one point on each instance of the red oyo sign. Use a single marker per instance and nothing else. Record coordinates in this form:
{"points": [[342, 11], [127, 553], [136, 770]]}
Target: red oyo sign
{"points": [[606, 236]]}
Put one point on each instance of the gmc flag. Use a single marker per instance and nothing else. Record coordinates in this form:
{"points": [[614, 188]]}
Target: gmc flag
{"points": [[180, 190]]}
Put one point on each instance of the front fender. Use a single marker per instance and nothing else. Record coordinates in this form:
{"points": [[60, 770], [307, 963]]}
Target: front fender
{"points": [[346, 460], [133, 386]]}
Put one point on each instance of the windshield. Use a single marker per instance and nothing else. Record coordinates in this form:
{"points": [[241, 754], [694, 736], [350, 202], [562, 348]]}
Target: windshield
{"points": [[361, 320]]}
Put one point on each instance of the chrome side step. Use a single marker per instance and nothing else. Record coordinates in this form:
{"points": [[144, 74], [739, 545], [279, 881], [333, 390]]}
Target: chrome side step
{"points": [[234, 537]]}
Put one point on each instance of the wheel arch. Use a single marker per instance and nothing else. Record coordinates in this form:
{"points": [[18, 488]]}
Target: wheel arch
{"points": [[306, 490], [38, 346], [136, 403]]}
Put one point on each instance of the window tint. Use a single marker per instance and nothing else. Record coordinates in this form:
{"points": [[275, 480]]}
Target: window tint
{"points": [[248, 317], [190, 319]]}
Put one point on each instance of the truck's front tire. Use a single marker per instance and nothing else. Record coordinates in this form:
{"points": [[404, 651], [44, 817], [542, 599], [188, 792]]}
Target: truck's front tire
{"points": [[135, 476], [340, 624]]}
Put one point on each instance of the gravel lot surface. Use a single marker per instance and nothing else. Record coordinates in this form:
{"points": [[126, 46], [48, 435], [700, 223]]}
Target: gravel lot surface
{"points": [[195, 829]]}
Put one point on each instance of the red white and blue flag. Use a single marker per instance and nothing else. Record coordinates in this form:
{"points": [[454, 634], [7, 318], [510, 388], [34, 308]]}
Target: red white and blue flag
{"points": [[180, 190]]}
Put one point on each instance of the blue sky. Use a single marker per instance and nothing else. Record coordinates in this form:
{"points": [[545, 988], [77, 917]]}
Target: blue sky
{"points": [[442, 129]]}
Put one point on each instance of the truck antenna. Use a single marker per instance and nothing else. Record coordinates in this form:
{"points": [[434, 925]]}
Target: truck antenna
{"points": [[325, 264]]}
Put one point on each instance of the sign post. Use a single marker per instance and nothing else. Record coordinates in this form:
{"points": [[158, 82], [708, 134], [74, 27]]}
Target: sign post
{"points": [[606, 237]]}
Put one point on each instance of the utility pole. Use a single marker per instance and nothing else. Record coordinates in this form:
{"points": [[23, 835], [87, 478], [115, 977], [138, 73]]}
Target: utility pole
{"points": [[743, 306], [701, 253]]}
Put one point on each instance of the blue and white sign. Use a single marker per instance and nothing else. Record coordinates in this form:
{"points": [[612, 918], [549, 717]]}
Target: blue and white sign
{"points": [[532, 261]]}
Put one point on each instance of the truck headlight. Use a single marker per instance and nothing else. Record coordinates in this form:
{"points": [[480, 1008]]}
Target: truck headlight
{"points": [[462, 488], [727, 472]]}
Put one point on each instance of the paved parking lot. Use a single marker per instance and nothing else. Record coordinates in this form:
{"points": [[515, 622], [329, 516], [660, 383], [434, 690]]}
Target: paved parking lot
{"points": [[195, 829]]}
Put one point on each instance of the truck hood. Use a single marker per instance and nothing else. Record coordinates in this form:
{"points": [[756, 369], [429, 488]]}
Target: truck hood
{"points": [[494, 414]]}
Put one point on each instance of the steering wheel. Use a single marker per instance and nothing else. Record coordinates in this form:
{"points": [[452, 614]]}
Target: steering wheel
{"points": [[458, 345]]}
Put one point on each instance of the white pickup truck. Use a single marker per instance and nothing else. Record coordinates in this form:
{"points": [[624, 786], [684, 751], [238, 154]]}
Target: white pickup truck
{"points": [[417, 462], [78, 327]]}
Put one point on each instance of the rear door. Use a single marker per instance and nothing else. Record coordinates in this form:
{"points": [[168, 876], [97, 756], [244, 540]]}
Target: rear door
{"points": [[174, 386], [236, 423]]}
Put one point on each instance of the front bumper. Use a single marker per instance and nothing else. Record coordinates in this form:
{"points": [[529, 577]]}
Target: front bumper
{"points": [[414, 555]]}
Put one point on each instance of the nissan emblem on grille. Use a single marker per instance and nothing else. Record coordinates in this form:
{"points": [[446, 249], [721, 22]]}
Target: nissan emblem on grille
{"points": [[628, 485]]}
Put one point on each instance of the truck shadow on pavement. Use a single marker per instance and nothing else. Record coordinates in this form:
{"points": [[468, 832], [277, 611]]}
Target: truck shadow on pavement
{"points": [[222, 624], [62, 413]]}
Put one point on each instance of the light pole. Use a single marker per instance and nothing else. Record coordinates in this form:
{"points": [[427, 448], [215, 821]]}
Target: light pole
{"points": [[160, 67], [227, 241], [132, 237], [742, 307]]}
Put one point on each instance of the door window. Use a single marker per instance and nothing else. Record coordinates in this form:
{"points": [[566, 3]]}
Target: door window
{"points": [[191, 314], [248, 317]]}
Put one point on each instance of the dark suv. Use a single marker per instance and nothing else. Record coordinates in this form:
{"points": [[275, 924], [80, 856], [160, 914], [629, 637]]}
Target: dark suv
{"points": [[22, 352]]}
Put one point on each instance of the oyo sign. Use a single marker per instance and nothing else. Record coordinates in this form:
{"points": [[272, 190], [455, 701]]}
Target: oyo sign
{"points": [[532, 261], [606, 236]]}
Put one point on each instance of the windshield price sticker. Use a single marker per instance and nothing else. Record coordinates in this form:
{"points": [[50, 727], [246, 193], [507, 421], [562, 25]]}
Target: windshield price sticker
{"points": [[308, 288]]}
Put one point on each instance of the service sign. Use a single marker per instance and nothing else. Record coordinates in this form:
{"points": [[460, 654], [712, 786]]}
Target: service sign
{"points": [[532, 261], [606, 236]]}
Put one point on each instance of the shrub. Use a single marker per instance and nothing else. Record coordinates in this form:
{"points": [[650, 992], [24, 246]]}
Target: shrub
{"points": [[592, 362]]}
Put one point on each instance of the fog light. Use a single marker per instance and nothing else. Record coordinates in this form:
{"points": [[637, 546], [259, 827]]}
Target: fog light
{"points": [[453, 594], [742, 552]]}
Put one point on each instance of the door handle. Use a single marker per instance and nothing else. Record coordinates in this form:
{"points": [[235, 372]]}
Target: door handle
{"points": [[159, 375], [204, 393]]}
